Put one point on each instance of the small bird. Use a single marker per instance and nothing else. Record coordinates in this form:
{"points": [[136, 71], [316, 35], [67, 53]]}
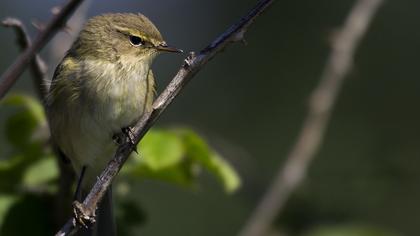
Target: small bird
{"points": [[103, 85]]}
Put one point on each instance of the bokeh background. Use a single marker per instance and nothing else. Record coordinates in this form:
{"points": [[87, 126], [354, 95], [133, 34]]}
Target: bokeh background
{"points": [[250, 101]]}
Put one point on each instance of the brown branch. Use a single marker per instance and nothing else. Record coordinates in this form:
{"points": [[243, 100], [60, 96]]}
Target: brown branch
{"points": [[192, 65], [10, 76], [322, 100], [38, 66]]}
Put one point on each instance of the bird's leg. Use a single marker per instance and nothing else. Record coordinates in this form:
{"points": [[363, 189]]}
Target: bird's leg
{"points": [[78, 193], [83, 215]]}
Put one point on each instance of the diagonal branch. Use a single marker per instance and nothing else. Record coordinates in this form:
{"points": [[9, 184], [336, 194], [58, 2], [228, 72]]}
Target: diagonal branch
{"points": [[38, 66], [192, 65], [324, 96], [10, 76]]}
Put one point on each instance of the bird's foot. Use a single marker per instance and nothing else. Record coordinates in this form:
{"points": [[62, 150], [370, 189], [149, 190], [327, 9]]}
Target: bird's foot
{"points": [[126, 134], [129, 133], [118, 138], [84, 216]]}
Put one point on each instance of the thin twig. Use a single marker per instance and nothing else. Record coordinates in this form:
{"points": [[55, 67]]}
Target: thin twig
{"points": [[38, 66], [192, 65], [321, 103], [10, 76]]}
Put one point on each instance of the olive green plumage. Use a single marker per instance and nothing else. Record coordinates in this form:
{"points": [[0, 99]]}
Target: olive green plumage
{"points": [[103, 84], [105, 37]]}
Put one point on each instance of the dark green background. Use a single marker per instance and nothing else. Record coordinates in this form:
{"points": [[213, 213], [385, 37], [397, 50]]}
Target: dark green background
{"points": [[250, 102]]}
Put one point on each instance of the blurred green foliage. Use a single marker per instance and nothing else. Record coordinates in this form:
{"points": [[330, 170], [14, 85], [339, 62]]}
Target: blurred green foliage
{"points": [[177, 156], [29, 173]]}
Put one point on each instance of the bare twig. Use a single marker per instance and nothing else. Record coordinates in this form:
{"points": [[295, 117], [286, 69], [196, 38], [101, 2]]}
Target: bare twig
{"points": [[38, 66], [10, 76], [321, 103], [192, 65]]}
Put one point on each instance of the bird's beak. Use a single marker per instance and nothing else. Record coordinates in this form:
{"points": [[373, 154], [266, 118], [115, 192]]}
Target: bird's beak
{"points": [[164, 47]]}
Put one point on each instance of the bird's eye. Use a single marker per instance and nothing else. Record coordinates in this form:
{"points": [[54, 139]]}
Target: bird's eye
{"points": [[136, 41]]}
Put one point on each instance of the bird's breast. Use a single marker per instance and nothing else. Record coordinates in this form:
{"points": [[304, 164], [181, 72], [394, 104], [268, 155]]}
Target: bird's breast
{"points": [[117, 95]]}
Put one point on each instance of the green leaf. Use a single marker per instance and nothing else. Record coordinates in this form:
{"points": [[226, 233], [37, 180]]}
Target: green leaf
{"points": [[6, 202], [41, 172], [25, 120], [183, 174], [224, 171], [199, 151], [176, 156], [21, 126], [11, 171], [27, 102], [10, 163], [161, 149]]}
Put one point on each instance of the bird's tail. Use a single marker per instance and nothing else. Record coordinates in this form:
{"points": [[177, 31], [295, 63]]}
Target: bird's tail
{"points": [[105, 225]]}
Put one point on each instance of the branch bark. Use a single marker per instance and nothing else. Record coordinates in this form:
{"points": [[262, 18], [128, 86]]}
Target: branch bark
{"points": [[322, 100], [38, 66], [192, 65], [10, 76]]}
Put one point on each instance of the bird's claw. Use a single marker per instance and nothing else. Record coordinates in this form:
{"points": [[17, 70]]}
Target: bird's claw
{"points": [[127, 134], [83, 215], [128, 131]]}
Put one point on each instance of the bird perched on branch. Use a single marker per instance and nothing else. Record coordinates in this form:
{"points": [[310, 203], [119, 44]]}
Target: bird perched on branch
{"points": [[103, 85]]}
